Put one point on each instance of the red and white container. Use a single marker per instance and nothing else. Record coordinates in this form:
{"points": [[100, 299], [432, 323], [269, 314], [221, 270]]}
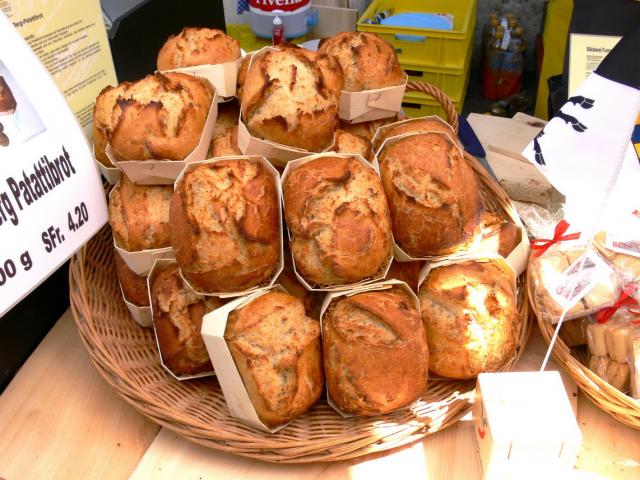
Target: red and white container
{"points": [[297, 17]]}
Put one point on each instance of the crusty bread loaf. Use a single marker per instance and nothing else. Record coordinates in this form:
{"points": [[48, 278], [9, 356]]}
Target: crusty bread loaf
{"points": [[375, 352], [162, 117], [472, 319], [347, 142], [415, 126], [7, 100], [408, 272], [198, 46], [177, 320], [225, 225], [497, 235], [276, 348], [106, 113], [242, 75], [433, 194], [338, 218], [139, 215], [290, 96], [134, 286], [225, 135], [367, 59]]}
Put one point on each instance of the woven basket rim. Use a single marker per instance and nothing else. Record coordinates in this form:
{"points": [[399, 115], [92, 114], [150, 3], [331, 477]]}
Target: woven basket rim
{"points": [[320, 435], [607, 398]]}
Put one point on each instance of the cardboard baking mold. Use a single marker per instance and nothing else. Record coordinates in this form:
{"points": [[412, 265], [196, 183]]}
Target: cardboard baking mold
{"points": [[141, 314], [517, 258], [376, 141], [366, 105], [332, 288], [164, 172], [276, 178]]}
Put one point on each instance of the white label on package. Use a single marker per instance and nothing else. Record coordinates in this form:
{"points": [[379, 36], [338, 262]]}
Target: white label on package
{"points": [[51, 196], [575, 282], [623, 236]]}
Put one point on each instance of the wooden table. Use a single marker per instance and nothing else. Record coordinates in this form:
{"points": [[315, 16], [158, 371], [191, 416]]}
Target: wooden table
{"points": [[60, 420]]}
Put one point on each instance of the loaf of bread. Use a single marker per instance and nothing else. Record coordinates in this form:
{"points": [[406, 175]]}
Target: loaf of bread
{"points": [[472, 319], [139, 215], [290, 96], [375, 352], [134, 287], [415, 126], [497, 235], [347, 142], [161, 117], [7, 100], [242, 75], [407, 272], [106, 113], [276, 348], [338, 218], [198, 46], [433, 195], [225, 226], [367, 59], [225, 135], [177, 320]]}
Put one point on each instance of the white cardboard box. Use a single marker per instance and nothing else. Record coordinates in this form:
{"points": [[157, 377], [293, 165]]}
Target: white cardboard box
{"points": [[523, 422]]}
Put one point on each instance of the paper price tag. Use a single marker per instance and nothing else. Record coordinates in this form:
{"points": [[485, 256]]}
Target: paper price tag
{"points": [[575, 282], [51, 197]]}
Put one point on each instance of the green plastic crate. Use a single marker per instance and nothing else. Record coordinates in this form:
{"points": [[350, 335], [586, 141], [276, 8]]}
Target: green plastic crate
{"points": [[436, 48]]}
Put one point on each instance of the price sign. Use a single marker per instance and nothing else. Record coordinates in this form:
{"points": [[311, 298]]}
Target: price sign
{"points": [[51, 197]]}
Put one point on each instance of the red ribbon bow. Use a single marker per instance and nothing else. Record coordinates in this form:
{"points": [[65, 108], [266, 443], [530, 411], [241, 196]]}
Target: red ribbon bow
{"points": [[625, 300], [543, 244]]}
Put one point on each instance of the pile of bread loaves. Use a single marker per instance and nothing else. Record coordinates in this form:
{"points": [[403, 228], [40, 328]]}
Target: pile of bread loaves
{"points": [[329, 224]]}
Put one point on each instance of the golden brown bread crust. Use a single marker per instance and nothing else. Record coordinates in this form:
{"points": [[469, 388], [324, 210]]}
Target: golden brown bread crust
{"points": [[347, 142], [177, 320], [498, 235], [365, 129], [134, 287], [408, 272], [139, 215], [471, 316], [290, 96], [367, 59], [415, 126], [7, 100], [225, 226], [198, 46], [162, 117], [106, 113], [375, 352], [225, 135], [433, 194], [338, 217], [276, 348], [242, 75]]}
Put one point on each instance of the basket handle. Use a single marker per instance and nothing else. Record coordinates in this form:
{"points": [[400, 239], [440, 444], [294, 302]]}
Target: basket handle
{"points": [[442, 98]]}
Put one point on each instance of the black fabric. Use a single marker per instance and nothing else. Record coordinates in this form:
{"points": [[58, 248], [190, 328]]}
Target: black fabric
{"points": [[622, 64]]}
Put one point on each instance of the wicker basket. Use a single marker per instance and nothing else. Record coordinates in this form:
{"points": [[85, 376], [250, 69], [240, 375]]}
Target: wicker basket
{"points": [[127, 358], [609, 399]]}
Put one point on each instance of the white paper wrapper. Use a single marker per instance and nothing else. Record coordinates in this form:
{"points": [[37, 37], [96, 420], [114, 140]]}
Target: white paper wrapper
{"points": [[223, 76], [164, 172], [357, 107], [376, 141], [384, 285], [157, 267], [332, 288], [517, 258], [141, 315], [141, 261], [233, 388], [276, 177]]}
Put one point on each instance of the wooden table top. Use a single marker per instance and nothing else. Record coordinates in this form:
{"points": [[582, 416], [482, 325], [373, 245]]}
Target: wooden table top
{"points": [[60, 420]]}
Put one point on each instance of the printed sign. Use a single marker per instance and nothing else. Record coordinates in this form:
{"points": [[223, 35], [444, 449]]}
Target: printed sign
{"points": [[69, 38], [51, 198], [587, 51]]}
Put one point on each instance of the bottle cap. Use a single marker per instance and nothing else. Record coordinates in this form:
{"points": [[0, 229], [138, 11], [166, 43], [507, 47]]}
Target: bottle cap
{"points": [[277, 20]]}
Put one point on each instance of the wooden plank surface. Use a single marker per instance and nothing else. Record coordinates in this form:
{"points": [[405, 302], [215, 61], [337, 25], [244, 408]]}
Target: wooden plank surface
{"points": [[60, 420]]}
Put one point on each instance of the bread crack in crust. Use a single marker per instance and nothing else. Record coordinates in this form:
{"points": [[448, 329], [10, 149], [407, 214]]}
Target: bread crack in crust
{"points": [[225, 225], [433, 194], [339, 221], [198, 46], [276, 348], [159, 117], [177, 317], [139, 215], [290, 96], [472, 320], [367, 60], [375, 352]]}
